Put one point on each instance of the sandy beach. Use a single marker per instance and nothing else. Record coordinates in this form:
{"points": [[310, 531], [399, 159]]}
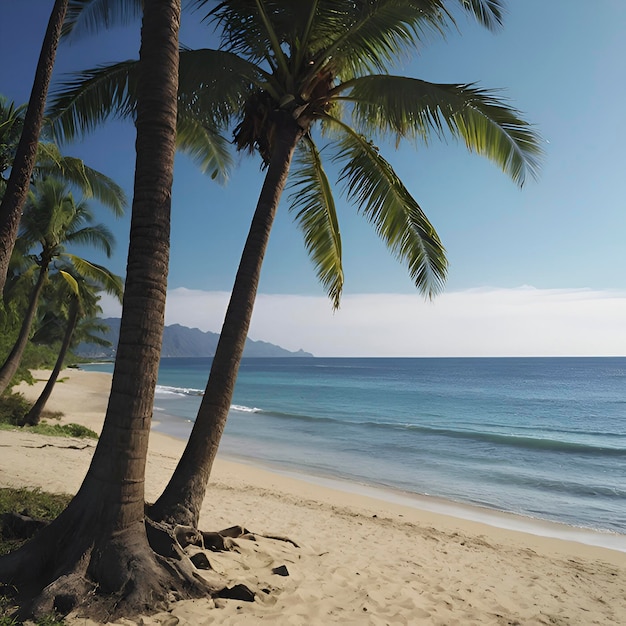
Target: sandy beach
{"points": [[358, 559]]}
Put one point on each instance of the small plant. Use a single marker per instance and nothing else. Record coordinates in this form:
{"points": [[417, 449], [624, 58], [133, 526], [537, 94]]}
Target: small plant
{"points": [[65, 430], [13, 407], [37, 504], [33, 503]]}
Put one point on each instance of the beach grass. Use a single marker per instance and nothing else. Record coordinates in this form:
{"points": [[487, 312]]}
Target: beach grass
{"points": [[14, 406], [33, 503]]}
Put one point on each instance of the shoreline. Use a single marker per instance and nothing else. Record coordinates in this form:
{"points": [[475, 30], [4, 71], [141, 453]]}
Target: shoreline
{"points": [[360, 559], [177, 427]]}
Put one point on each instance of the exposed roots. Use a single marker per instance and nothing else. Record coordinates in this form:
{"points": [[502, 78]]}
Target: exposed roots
{"points": [[142, 570]]}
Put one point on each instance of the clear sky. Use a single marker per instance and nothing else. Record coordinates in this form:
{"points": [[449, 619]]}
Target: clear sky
{"points": [[537, 271]]}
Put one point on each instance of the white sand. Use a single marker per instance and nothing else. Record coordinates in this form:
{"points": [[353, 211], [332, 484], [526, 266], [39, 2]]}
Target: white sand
{"points": [[360, 560]]}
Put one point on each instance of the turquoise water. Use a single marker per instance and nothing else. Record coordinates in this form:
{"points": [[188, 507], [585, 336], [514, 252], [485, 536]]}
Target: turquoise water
{"points": [[540, 437]]}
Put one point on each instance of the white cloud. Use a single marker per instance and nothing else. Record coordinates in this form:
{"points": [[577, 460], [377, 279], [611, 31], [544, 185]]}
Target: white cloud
{"points": [[479, 322]]}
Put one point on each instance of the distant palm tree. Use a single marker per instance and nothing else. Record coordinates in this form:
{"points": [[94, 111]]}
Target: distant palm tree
{"points": [[50, 162], [78, 284], [12, 201], [52, 219], [293, 77]]}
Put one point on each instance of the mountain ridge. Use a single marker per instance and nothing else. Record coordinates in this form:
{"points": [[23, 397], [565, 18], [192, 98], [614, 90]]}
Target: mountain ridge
{"points": [[182, 341]]}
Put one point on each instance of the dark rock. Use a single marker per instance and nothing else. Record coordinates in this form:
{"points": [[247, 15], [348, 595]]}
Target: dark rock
{"points": [[238, 592], [200, 560], [281, 570]]}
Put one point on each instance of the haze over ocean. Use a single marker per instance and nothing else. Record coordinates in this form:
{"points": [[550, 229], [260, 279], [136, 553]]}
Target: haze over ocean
{"points": [[540, 437]]}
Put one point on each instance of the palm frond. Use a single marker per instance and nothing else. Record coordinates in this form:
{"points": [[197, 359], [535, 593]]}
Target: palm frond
{"points": [[71, 282], [371, 183], [372, 36], [104, 279], [316, 216], [241, 27], [489, 13], [80, 104], [97, 236], [215, 83], [413, 108], [90, 182], [93, 16], [208, 148]]}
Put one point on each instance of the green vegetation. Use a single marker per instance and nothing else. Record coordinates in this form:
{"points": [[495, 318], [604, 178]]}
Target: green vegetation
{"points": [[35, 356], [31, 502], [36, 504], [14, 406]]}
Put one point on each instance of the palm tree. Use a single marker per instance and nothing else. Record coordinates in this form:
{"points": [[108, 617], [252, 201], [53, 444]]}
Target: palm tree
{"points": [[51, 220], [284, 69], [96, 554], [78, 285], [14, 196], [326, 63], [50, 162]]}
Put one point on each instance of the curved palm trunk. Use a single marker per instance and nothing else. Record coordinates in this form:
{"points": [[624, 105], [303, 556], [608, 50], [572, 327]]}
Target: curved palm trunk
{"points": [[96, 554], [24, 162], [183, 496], [33, 416], [8, 369]]}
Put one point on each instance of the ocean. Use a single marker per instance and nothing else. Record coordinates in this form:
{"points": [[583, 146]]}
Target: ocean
{"points": [[542, 438]]}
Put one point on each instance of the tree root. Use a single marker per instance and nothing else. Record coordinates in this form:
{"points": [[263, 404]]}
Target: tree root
{"points": [[64, 570]]}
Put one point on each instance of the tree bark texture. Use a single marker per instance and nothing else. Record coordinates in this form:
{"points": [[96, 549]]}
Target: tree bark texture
{"points": [[96, 554], [182, 499], [22, 169], [33, 417]]}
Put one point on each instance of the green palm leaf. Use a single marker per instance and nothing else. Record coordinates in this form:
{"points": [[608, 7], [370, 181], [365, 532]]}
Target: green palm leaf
{"points": [[413, 108], [373, 35], [372, 184], [213, 84], [79, 105], [208, 149], [90, 182], [97, 236], [104, 278], [92, 16], [489, 13], [316, 216]]}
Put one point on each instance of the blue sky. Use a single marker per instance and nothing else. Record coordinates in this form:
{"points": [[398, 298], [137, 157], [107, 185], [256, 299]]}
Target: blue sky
{"points": [[532, 271]]}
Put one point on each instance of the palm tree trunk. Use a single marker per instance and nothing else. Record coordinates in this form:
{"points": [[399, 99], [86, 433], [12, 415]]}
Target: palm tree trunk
{"points": [[181, 501], [96, 554], [24, 162], [8, 369], [33, 416]]}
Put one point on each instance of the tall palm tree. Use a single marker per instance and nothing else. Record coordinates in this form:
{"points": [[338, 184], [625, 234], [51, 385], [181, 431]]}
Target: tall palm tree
{"points": [[52, 219], [325, 64], [78, 284], [291, 77], [96, 554], [14, 196]]}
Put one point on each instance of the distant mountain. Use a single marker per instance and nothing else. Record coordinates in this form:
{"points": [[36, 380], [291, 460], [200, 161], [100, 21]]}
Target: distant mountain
{"points": [[180, 341]]}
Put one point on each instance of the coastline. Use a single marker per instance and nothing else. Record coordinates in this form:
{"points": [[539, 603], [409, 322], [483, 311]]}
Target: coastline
{"points": [[179, 428], [362, 558]]}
